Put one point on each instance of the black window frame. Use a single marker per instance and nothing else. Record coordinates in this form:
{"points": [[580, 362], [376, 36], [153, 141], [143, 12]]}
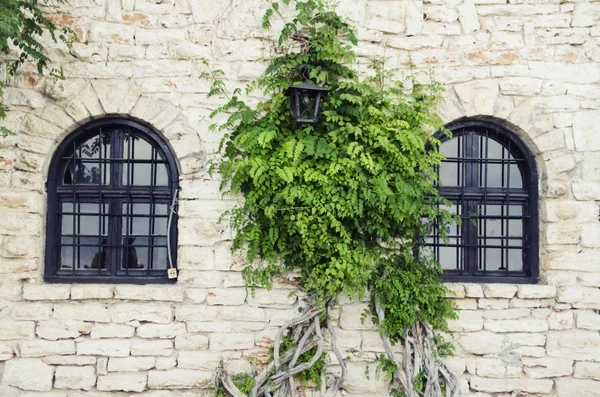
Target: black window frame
{"points": [[116, 195], [471, 194]]}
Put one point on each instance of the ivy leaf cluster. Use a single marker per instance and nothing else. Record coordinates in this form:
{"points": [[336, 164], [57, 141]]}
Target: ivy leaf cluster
{"points": [[346, 202]]}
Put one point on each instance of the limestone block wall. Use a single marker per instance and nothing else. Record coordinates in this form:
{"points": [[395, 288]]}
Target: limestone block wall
{"points": [[532, 63]]}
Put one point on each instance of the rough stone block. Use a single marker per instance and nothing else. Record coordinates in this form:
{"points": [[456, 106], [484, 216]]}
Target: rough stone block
{"points": [[547, 367], [587, 370], [180, 379], [152, 312], [83, 311], [238, 341], [162, 348], [196, 313], [149, 293], [588, 320], [509, 385], [111, 330], [72, 377], [31, 311], [28, 374], [499, 290], [130, 364], [243, 313], [580, 297], [39, 292], [11, 330], [536, 291], [62, 329], [574, 345], [226, 296], [567, 387], [162, 331], [191, 342], [91, 292], [129, 382], [561, 320], [41, 348], [481, 343], [104, 347]]}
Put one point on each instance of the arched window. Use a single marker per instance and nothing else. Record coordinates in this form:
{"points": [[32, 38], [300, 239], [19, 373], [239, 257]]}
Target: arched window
{"points": [[111, 189], [490, 178]]}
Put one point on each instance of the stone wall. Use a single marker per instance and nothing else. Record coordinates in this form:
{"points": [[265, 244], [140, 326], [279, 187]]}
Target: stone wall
{"points": [[530, 62]]}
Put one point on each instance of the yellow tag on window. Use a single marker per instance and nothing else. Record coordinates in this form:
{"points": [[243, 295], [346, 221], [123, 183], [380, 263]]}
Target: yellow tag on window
{"points": [[172, 273]]}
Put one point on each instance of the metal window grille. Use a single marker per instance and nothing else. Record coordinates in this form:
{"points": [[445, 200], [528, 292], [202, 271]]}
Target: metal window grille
{"points": [[490, 178], [110, 189]]}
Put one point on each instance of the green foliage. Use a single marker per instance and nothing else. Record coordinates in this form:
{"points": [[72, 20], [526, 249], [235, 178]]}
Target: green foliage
{"points": [[345, 201], [22, 24], [243, 382]]}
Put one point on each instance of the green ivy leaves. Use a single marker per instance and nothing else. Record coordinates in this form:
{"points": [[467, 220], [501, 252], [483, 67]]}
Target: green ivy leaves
{"points": [[345, 201]]}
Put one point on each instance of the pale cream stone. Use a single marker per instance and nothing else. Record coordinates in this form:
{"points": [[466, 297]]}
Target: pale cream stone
{"points": [[141, 347], [205, 360], [149, 293], [46, 292], [196, 295], [225, 326], [69, 360], [41, 348], [31, 311], [509, 385], [505, 314], [496, 368], [28, 374], [587, 370], [580, 297], [547, 367], [493, 304], [62, 329], [179, 379], [242, 313], [456, 291], [561, 320], [478, 97], [574, 344], [567, 387], [164, 363], [588, 319], [130, 364], [82, 311], [162, 331], [111, 330], [75, 377], [129, 382], [11, 330], [468, 321], [276, 298], [152, 312], [467, 15], [516, 325], [526, 339], [104, 347], [196, 313], [499, 290], [193, 342], [357, 382], [481, 342], [473, 290], [536, 291], [226, 296], [91, 292], [237, 341]]}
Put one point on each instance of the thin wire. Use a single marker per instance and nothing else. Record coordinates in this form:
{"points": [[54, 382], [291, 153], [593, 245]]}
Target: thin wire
{"points": [[169, 222]]}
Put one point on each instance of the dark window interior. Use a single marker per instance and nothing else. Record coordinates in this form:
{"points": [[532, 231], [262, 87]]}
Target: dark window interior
{"points": [[110, 190]]}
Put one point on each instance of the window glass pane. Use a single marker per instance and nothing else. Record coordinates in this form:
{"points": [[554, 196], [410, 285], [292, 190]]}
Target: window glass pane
{"points": [[500, 234], [135, 253], [450, 172], [91, 164]]}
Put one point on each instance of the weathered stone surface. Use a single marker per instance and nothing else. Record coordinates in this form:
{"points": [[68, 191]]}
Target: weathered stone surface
{"points": [[41, 348], [226, 296], [481, 342], [149, 293], [83, 312], [112, 331], [163, 331], [521, 325], [11, 330], [574, 345], [28, 374], [151, 347], [104, 347], [536, 291], [509, 385], [580, 297], [130, 382], [561, 320], [547, 367], [191, 342], [152, 312], [91, 292], [130, 364], [62, 329], [46, 292], [587, 370], [499, 290], [75, 377], [588, 319], [179, 379], [238, 341], [577, 387]]}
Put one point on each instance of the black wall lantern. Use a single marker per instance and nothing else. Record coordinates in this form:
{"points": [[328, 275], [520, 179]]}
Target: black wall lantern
{"points": [[305, 100]]}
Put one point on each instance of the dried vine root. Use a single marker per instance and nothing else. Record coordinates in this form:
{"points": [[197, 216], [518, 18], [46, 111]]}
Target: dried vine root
{"points": [[277, 378], [420, 356]]}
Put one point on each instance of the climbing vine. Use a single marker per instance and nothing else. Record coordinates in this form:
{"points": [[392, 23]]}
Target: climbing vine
{"points": [[343, 202]]}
